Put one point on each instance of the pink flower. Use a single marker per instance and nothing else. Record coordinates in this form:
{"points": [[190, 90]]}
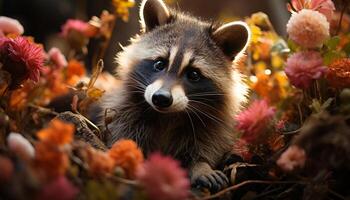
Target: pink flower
{"points": [[163, 178], [59, 189], [308, 28], [76, 25], [20, 146], [10, 26], [254, 120], [292, 158], [280, 124], [22, 59], [57, 58], [303, 67], [325, 7]]}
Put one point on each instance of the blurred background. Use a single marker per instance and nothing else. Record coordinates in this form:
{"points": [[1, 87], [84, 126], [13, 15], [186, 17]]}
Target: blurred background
{"points": [[43, 19]]}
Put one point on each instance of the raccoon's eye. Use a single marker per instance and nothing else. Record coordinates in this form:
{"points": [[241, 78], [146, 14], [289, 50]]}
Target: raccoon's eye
{"points": [[193, 75], [159, 65]]}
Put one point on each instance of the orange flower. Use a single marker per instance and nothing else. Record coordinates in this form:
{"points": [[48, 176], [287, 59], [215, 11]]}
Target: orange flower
{"points": [[127, 155], [19, 97], [75, 70], [58, 87], [339, 73], [272, 87], [58, 133], [100, 163], [50, 161]]}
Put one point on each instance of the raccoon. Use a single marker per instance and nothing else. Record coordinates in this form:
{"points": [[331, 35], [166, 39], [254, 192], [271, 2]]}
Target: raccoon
{"points": [[180, 89]]}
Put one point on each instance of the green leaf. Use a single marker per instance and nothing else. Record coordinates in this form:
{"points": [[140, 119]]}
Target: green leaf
{"points": [[333, 42], [105, 190], [346, 49], [292, 45], [317, 107], [330, 56], [327, 103]]}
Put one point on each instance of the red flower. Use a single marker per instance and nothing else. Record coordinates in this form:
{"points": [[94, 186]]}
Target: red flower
{"points": [[163, 178], [59, 189], [338, 74], [254, 120], [22, 59]]}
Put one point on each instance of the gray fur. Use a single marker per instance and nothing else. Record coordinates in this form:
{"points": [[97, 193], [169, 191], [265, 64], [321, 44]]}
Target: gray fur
{"points": [[192, 139]]}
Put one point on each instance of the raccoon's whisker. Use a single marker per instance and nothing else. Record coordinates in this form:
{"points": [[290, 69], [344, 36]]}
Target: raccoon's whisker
{"points": [[205, 94], [138, 81], [141, 88], [148, 109], [139, 78], [212, 117], [191, 110], [193, 131], [210, 93], [135, 91], [143, 78], [207, 105]]}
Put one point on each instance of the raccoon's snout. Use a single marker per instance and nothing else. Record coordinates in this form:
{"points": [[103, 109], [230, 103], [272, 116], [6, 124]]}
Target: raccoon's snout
{"points": [[162, 99]]}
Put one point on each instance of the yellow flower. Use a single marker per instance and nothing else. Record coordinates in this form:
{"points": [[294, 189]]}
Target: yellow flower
{"points": [[122, 8], [256, 33]]}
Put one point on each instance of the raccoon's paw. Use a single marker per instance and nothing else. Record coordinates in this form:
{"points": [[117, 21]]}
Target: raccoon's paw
{"points": [[214, 181]]}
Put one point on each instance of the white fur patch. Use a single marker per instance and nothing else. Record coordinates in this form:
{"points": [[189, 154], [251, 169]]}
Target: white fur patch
{"points": [[180, 99], [151, 89], [173, 53], [185, 60]]}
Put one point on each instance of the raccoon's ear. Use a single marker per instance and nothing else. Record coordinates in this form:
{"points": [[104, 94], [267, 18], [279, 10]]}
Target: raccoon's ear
{"points": [[232, 38], [153, 13]]}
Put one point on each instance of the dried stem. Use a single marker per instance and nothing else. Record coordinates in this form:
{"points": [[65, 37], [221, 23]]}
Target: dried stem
{"points": [[235, 187], [345, 6], [42, 109], [125, 181]]}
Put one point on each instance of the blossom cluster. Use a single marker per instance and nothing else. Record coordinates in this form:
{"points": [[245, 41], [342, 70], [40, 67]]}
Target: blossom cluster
{"points": [[297, 116]]}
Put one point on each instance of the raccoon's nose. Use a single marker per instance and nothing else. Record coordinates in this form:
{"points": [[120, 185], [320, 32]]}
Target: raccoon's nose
{"points": [[162, 99]]}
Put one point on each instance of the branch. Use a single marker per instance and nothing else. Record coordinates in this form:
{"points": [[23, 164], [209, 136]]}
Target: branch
{"points": [[235, 187]]}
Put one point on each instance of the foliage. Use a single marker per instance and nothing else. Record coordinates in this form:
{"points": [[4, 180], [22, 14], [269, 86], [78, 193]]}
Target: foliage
{"points": [[293, 140]]}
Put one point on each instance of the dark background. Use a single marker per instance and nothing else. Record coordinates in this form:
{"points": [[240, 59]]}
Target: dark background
{"points": [[43, 18]]}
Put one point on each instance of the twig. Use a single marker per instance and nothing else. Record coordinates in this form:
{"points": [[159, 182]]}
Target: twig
{"points": [[345, 3], [125, 181], [300, 114], [43, 109], [234, 187], [292, 132], [78, 161], [194, 196], [89, 122], [336, 194]]}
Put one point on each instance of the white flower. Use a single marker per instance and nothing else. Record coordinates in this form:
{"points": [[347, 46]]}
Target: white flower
{"points": [[20, 146], [308, 28]]}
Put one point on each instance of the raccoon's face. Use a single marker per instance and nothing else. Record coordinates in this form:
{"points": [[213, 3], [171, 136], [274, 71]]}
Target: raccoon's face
{"points": [[180, 63]]}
